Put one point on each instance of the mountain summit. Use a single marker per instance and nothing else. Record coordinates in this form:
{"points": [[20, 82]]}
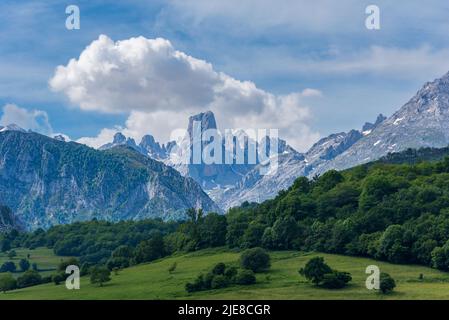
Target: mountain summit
{"points": [[422, 122]]}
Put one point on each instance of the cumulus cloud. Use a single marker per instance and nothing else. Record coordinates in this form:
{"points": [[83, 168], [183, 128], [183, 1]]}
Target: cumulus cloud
{"points": [[159, 87], [35, 120]]}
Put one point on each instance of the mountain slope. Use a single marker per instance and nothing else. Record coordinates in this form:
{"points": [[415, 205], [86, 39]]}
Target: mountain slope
{"points": [[421, 122], [46, 181]]}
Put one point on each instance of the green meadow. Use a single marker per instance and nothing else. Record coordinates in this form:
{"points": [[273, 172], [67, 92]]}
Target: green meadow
{"points": [[45, 259], [153, 281]]}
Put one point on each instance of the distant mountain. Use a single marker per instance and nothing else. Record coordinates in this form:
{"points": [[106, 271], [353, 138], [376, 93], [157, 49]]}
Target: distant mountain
{"points": [[46, 181], [254, 187], [231, 184], [421, 122]]}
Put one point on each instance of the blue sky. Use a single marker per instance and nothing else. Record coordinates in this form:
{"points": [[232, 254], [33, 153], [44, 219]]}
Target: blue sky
{"points": [[282, 47]]}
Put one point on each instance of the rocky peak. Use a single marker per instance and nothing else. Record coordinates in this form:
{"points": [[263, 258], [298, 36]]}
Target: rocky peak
{"points": [[207, 120], [119, 138], [12, 127], [368, 126], [152, 148]]}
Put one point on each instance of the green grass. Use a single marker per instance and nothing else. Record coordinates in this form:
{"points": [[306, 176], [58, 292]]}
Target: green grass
{"points": [[153, 281], [45, 259]]}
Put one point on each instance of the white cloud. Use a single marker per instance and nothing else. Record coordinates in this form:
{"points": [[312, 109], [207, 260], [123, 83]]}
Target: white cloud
{"points": [[35, 120], [106, 135], [159, 87]]}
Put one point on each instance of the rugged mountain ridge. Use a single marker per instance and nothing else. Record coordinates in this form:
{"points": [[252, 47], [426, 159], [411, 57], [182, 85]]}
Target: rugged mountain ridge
{"points": [[47, 181], [422, 122]]}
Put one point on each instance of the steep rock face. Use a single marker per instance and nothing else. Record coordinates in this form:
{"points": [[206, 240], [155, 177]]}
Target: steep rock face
{"points": [[46, 182], [421, 122], [8, 221], [210, 176], [151, 148]]}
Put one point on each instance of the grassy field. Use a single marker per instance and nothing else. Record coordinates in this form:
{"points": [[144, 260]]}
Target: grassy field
{"points": [[153, 281], [45, 259]]}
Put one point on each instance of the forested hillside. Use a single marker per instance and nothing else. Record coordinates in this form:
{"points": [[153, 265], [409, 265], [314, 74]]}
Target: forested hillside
{"points": [[392, 212]]}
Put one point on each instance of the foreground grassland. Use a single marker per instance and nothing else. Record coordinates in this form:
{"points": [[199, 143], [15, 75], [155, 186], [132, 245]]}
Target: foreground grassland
{"points": [[153, 281], [45, 259]]}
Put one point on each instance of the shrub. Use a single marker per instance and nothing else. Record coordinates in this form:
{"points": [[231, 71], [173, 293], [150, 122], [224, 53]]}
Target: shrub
{"points": [[8, 266], [219, 281], [230, 272], [387, 283], [100, 275], [29, 278], [58, 278], [7, 282], [219, 268], [255, 259], [221, 276], [172, 268], [245, 277], [315, 270], [335, 280]]}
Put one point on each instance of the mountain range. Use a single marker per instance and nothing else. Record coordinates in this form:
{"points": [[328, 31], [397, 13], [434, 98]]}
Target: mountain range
{"points": [[421, 122], [48, 180]]}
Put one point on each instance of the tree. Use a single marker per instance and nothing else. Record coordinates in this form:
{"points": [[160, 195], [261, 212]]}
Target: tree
{"points": [[255, 259], [7, 282], [8, 266], [284, 231], [29, 278], [253, 235], [315, 270], [150, 250], [24, 264], [391, 245], [213, 230], [118, 263], [100, 275], [123, 252], [387, 283]]}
